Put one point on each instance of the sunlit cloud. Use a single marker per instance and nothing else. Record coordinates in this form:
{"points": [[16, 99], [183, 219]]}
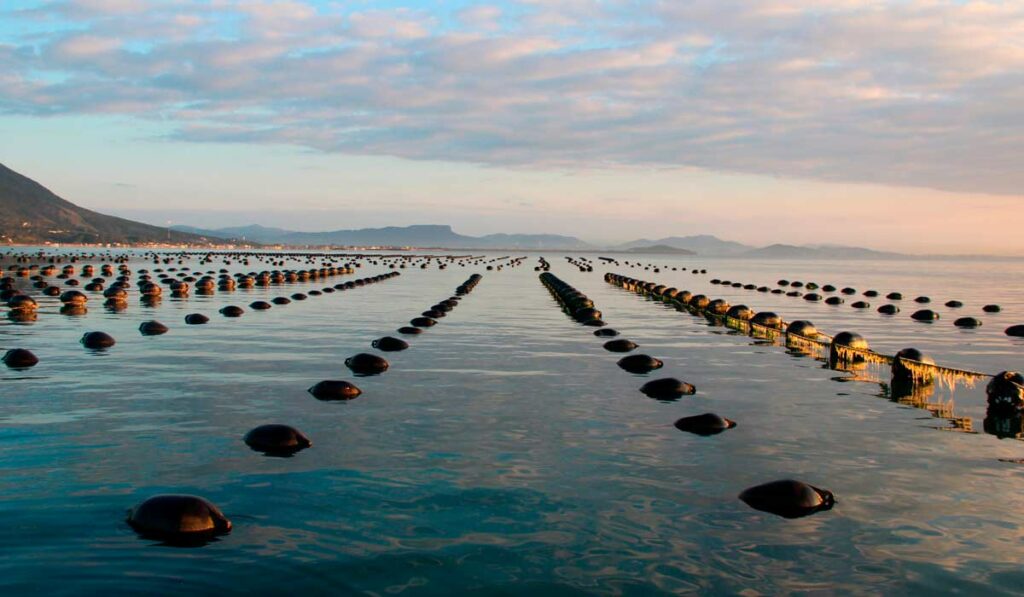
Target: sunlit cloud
{"points": [[908, 93]]}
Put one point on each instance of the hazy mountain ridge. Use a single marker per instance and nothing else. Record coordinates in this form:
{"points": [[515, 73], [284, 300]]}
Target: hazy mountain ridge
{"points": [[31, 213], [422, 235]]}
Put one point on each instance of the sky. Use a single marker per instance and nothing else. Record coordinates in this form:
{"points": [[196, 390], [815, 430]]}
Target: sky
{"points": [[895, 125]]}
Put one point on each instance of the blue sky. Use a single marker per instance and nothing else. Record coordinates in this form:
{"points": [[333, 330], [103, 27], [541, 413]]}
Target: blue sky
{"points": [[891, 124]]}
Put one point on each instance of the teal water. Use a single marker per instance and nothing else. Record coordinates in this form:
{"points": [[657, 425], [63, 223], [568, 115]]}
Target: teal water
{"points": [[505, 452]]}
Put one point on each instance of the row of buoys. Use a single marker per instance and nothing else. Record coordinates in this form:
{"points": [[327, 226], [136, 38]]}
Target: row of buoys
{"points": [[186, 518], [1005, 392], [922, 315], [365, 363], [788, 498], [20, 358]]}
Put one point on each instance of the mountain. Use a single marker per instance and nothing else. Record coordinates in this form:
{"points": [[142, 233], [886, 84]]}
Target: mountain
{"points": [[423, 235], [780, 251], [701, 244], [661, 250], [31, 213]]}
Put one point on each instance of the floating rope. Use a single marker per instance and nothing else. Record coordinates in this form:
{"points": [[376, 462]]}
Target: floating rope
{"points": [[920, 372]]}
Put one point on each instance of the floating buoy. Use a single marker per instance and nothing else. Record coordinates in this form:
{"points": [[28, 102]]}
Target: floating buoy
{"points": [[335, 390], [767, 319], [640, 363], [196, 319], [1015, 330], [390, 344], [922, 300], [740, 312], [20, 358], [606, 333], [991, 309], [888, 309], [925, 315], [281, 300], [409, 330], [802, 328], [232, 311], [22, 303], [619, 345], [954, 304], [894, 296], [260, 305], [366, 364], [912, 372], [1006, 392], [423, 322], [74, 297], [967, 322], [152, 328], [277, 440], [788, 498], [707, 424], [842, 342], [861, 305], [835, 300], [97, 340], [178, 518], [668, 388]]}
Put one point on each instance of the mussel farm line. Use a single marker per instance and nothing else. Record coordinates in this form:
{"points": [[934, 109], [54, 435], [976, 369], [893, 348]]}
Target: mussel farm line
{"points": [[365, 364], [910, 369], [786, 497]]}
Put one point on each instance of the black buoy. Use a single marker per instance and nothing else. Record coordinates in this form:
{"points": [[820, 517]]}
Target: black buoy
{"points": [[260, 305], [277, 440], [390, 344], [1006, 392], [366, 364], [196, 319], [281, 300], [619, 345], [97, 340], [668, 388], [331, 389], [178, 518], [20, 358], [707, 424], [802, 328], [606, 333], [409, 330], [232, 311], [954, 304], [422, 322], [967, 322], [1015, 330], [904, 374], [152, 328], [991, 309], [924, 315], [861, 305], [888, 309], [640, 363], [788, 498]]}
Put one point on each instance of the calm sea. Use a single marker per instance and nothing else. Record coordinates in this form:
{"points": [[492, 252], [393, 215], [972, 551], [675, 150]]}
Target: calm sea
{"points": [[505, 452]]}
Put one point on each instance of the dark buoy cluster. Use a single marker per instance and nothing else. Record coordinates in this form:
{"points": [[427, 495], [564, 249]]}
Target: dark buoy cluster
{"points": [[574, 303]]}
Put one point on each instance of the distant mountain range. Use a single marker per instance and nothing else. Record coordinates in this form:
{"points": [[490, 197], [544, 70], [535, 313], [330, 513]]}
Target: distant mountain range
{"points": [[31, 213], [423, 235], [661, 250]]}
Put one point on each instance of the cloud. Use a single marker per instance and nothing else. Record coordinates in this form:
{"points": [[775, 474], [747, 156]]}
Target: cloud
{"points": [[919, 93]]}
